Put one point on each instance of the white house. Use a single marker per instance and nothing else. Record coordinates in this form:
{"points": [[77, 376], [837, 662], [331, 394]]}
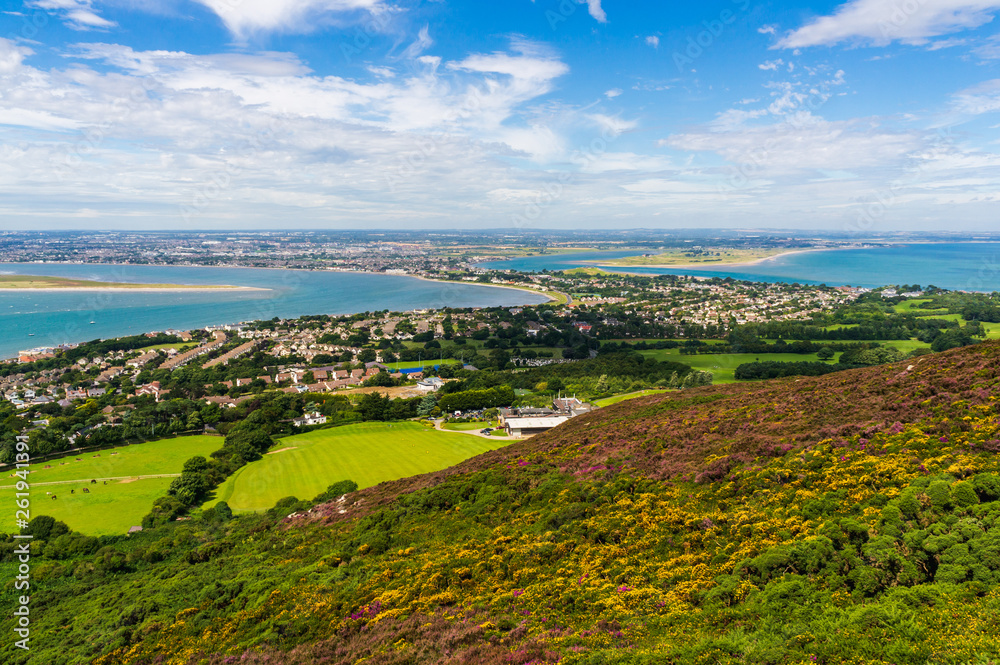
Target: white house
{"points": [[430, 384]]}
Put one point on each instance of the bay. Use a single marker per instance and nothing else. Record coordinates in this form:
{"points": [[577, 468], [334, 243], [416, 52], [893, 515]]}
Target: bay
{"points": [[954, 266], [49, 318]]}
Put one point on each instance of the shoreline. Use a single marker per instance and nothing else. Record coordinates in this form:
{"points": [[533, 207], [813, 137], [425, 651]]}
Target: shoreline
{"points": [[495, 286]]}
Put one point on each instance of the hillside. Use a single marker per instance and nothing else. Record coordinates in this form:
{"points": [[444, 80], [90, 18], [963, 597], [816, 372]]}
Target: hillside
{"points": [[848, 518]]}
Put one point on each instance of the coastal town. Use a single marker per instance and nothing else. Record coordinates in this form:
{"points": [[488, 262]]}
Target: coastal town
{"points": [[409, 355]]}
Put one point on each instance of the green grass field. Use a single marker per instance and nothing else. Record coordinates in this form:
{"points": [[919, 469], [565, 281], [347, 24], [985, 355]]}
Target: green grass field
{"points": [[181, 346], [913, 307], [367, 453], [110, 509], [608, 401], [723, 365], [421, 364]]}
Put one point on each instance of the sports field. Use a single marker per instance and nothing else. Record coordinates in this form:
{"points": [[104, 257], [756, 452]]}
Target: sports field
{"points": [[108, 509], [304, 465]]}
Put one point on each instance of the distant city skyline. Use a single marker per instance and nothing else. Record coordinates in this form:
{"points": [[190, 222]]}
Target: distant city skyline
{"points": [[858, 117]]}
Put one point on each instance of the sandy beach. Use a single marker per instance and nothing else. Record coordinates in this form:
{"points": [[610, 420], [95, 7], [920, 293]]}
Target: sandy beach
{"points": [[717, 266]]}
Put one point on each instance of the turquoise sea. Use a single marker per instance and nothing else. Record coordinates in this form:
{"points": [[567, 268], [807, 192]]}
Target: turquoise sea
{"points": [[30, 320], [956, 266]]}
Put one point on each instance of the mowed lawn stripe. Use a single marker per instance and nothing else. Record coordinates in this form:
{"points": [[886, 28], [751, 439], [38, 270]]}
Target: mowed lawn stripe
{"points": [[367, 453]]}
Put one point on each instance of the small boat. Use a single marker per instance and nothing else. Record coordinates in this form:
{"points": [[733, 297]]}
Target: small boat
{"points": [[91, 323], [31, 334]]}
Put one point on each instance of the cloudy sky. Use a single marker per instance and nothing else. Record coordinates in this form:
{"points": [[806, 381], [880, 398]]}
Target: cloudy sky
{"points": [[859, 116]]}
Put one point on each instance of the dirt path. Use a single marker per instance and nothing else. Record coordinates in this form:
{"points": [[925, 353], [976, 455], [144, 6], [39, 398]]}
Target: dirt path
{"points": [[128, 479]]}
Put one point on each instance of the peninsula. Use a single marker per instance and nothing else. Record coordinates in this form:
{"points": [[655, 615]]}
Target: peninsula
{"points": [[698, 257], [46, 283]]}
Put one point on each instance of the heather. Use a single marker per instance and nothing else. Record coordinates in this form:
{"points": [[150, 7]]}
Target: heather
{"points": [[853, 517]]}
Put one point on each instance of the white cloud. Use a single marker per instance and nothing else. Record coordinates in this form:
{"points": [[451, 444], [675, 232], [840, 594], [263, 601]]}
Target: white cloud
{"points": [[611, 125], [653, 41], [771, 65], [767, 29], [420, 44], [623, 161], [614, 92], [979, 99], [149, 134], [595, 9], [79, 14], [245, 17], [880, 22], [804, 143], [11, 56]]}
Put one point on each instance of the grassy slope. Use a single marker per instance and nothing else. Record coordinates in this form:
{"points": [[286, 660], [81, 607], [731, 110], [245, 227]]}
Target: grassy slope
{"points": [[608, 401], [367, 453], [595, 543], [111, 508]]}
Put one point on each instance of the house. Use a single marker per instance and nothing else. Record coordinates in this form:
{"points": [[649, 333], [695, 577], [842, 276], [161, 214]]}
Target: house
{"points": [[531, 426], [153, 389], [309, 419], [534, 328], [142, 360], [430, 385], [570, 406], [221, 400]]}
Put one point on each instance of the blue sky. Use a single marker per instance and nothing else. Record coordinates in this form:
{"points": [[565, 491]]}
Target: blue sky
{"points": [[859, 117]]}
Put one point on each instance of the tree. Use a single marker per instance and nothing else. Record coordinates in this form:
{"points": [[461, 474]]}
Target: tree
{"points": [[374, 406], [381, 380], [826, 353], [427, 404]]}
